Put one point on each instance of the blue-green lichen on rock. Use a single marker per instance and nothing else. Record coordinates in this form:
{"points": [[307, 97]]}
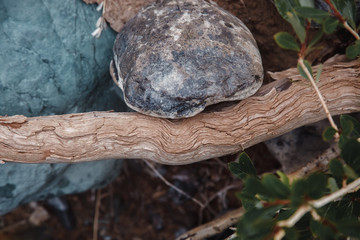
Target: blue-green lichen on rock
{"points": [[50, 64]]}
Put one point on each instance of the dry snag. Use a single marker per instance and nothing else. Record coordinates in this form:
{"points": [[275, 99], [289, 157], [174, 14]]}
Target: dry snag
{"points": [[276, 108]]}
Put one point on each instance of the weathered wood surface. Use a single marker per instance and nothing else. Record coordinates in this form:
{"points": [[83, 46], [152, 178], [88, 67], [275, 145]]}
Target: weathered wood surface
{"points": [[276, 109]]}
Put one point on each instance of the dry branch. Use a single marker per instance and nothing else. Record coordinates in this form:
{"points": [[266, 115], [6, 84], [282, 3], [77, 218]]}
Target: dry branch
{"points": [[276, 109], [214, 227]]}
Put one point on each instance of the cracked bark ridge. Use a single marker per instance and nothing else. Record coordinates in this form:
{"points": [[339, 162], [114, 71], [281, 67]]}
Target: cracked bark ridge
{"points": [[275, 109], [174, 58]]}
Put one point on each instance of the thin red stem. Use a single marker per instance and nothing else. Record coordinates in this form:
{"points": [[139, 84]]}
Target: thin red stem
{"points": [[336, 13], [303, 49], [276, 203]]}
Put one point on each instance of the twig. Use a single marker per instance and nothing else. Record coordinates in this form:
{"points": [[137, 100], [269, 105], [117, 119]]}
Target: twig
{"points": [[290, 222], [96, 216], [312, 81], [214, 227], [173, 186], [209, 200], [209, 228], [355, 34], [320, 163], [223, 190], [232, 236], [351, 187], [339, 16], [295, 217]]}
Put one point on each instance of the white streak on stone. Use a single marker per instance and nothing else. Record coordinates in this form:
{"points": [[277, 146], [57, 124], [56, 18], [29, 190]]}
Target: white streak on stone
{"points": [[175, 33]]}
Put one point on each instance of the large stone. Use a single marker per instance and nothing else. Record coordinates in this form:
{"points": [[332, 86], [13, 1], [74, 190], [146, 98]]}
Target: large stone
{"points": [[176, 57], [21, 183], [50, 64]]}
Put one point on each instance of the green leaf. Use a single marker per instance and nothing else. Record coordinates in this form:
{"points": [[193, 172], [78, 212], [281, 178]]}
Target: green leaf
{"points": [[242, 168], [339, 4], [353, 50], [328, 134], [316, 185], [287, 41], [355, 122], [236, 170], [303, 227], [291, 234], [283, 178], [247, 164], [343, 214], [298, 191], [348, 11], [349, 227], [275, 187], [349, 129], [285, 213], [302, 72], [248, 200], [350, 152], [337, 170], [347, 207], [316, 38], [254, 185], [297, 26], [322, 231], [349, 172], [329, 25], [252, 188], [257, 224], [318, 73], [307, 3], [284, 6], [347, 126], [332, 185], [312, 13]]}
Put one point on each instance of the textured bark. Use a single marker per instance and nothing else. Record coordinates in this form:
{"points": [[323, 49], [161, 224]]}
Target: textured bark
{"points": [[277, 108]]}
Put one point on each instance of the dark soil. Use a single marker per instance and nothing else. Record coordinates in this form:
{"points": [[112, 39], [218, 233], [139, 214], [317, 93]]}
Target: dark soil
{"points": [[138, 205]]}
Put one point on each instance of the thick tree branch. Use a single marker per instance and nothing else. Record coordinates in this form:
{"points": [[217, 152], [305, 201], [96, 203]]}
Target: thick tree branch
{"points": [[276, 109]]}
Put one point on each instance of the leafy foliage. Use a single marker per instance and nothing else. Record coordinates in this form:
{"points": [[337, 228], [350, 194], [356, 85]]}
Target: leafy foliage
{"points": [[347, 9], [302, 72], [301, 13], [242, 168], [329, 134], [353, 50], [320, 205], [272, 199], [287, 41]]}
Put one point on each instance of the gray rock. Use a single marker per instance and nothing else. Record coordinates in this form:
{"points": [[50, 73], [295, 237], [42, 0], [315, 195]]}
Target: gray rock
{"points": [[174, 58], [50, 64], [300, 146], [303, 145]]}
